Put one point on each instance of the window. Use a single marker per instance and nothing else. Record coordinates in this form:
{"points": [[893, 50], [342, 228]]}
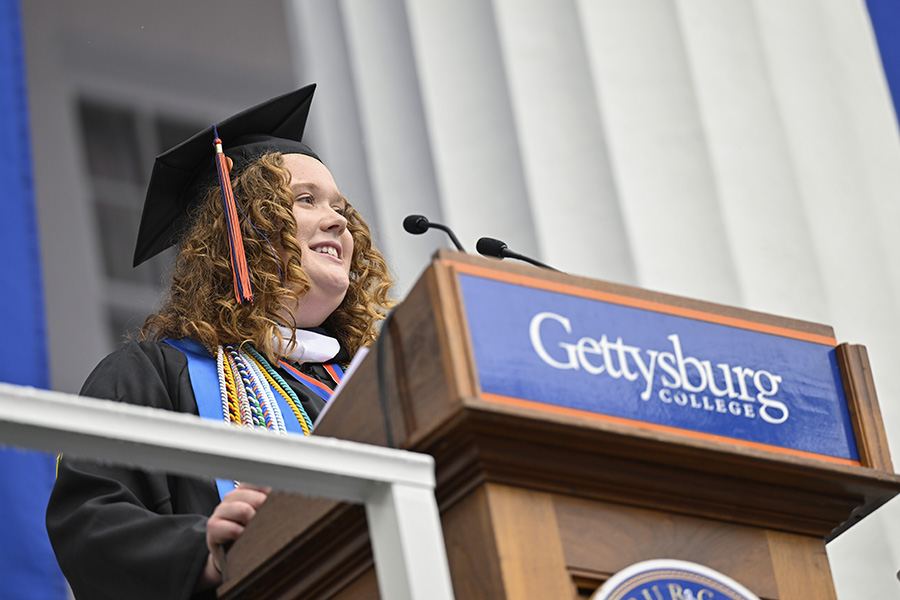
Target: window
{"points": [[120, 143]]}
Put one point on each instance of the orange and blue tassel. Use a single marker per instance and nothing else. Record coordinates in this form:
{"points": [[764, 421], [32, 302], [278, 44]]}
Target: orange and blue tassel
{"points": [[242, 289]]}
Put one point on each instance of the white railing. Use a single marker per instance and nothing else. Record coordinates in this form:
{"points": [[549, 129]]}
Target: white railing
{"points": [[396, 486]]}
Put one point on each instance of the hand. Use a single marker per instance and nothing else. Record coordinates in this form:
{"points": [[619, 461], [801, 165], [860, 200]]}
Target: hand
{"points": [[226, 524]]}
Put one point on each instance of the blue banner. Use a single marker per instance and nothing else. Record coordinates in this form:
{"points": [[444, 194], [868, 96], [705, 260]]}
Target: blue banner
{"points": [[703, 378], [885, 17], [28, 569]]}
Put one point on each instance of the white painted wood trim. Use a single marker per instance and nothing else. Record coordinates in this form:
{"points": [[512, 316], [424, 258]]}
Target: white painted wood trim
{"points": [[396, 486]]}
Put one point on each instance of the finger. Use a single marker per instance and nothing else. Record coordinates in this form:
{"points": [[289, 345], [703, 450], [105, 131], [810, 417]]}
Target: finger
{"points": [[237, 511], [218, 557], [266, 489], [220, 532], [253, 497]]}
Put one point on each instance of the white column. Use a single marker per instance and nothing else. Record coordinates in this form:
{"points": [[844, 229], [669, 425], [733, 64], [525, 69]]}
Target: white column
{"points": [[469, 118], [758, 192], [395, 131], [658, 148], [865, 93], [334, 128], [807, 65], [573, 199]]}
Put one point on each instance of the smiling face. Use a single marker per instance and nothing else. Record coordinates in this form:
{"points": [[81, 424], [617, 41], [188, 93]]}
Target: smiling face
{"points": [[326, 245]]}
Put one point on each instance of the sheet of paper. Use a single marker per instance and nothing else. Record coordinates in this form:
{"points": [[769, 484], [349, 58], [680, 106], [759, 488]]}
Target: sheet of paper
{"points": [[360, 355]]}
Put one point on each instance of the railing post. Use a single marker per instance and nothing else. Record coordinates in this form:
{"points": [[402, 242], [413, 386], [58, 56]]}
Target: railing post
{"points": [[408, 543]]}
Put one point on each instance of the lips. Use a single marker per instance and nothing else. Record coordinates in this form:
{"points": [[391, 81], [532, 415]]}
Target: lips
{"points": [[328, 248]]}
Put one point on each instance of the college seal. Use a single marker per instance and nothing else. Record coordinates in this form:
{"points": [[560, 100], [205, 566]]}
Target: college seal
{"points": [[669, 579]]}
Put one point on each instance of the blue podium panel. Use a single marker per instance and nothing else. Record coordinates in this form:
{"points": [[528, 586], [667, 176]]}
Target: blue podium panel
{"points": [[599, 355]]}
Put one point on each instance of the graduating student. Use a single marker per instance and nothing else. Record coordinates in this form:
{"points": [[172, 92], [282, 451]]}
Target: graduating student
{"points": [[275, 286]]}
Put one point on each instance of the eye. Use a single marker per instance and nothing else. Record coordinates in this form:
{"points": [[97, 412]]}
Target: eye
{"points": [[340, 209], [306, 199]]}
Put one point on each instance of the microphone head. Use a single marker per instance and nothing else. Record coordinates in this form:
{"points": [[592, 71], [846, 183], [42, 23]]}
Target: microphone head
{"points": [[415, 224], [490, 247]]}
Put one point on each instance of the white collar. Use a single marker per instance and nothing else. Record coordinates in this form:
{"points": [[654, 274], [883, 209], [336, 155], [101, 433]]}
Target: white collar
{"points": [[309, 346]]}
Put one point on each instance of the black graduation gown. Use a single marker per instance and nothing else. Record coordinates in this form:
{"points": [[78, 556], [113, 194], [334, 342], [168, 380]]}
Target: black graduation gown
{"points": [[128, 533]]}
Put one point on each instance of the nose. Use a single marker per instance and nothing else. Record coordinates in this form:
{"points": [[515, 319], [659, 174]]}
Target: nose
{"points": [[334, 221]]}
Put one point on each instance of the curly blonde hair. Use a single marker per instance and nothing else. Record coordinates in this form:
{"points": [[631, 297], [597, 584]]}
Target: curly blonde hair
{"points": [[201, 303]]}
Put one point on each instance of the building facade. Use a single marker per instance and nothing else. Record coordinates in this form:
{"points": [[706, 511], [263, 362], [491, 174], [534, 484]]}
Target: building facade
{"points": [[740, 151]]}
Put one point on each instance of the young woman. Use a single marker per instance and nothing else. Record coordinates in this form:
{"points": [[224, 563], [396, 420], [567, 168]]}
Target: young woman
{"points": [[272, 292]]}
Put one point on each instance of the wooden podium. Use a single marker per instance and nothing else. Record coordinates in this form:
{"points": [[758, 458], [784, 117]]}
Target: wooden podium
{"points": [[541, 505]]}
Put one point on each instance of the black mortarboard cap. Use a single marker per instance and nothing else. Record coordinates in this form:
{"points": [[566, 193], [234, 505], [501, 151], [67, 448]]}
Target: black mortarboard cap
{"points": [[178, 177]]}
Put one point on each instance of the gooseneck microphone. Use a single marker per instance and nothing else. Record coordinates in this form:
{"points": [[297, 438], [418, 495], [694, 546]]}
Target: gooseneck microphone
{"points": [[417, 224], [490, 247]]}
